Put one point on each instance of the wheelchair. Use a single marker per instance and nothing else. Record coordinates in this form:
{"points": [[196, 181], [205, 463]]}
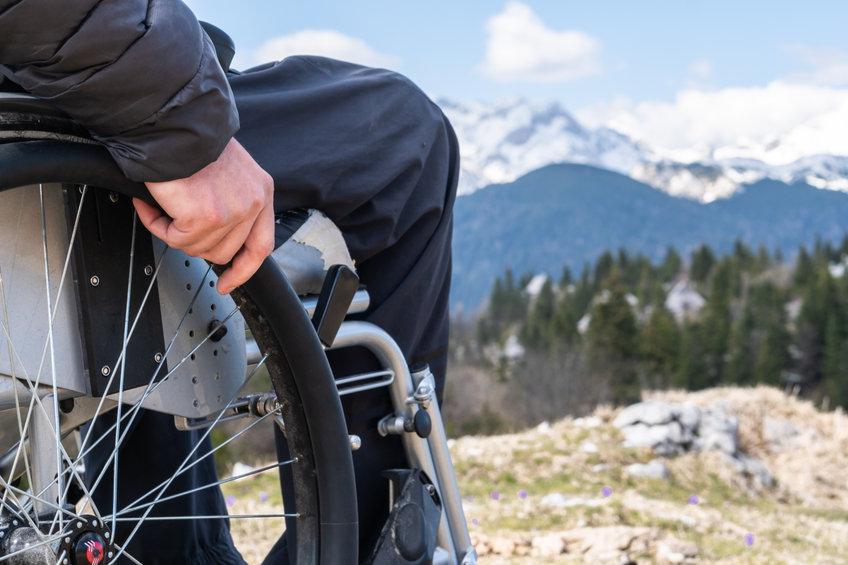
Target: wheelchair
{"points": [[101, 323]]}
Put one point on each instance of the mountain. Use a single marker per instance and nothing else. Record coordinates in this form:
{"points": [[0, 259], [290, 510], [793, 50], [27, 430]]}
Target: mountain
{"points": [[502, 141], [569, 214]]}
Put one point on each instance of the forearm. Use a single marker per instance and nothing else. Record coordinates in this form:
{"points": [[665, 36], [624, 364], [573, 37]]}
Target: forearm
{"points": [[139, 74]]}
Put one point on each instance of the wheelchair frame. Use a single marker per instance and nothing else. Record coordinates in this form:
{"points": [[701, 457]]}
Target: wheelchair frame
{"points": [[412, 393]]}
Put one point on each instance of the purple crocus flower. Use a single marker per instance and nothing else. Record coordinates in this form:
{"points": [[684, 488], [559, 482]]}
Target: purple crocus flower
{"points": [[606, 491], [749, 539]]}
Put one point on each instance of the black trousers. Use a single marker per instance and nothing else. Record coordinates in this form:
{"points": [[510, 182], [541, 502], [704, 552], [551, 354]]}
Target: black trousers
{"points": [[370, 150]]}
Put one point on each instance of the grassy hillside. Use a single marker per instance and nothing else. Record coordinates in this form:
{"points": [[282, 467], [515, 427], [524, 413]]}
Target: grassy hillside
{"points": [[559, 493]]}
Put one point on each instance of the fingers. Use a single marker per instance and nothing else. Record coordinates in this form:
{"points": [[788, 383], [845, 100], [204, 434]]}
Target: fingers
{"points": [[223, 212], [258, 245], [153, 218]]}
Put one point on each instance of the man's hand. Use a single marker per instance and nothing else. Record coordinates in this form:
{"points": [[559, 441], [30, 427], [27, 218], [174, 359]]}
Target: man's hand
{"points": [[223, 212]]}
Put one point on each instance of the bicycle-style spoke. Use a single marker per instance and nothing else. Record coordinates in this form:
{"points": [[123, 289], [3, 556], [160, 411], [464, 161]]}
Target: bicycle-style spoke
{"points": [[57, 502], [212, 517], [152, 386], [252, 473], [272, 414], [182, 466], [21, 433], [121, 381], [23, 427]]}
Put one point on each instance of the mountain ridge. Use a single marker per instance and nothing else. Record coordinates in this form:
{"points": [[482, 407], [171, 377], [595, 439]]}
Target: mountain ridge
{"points": [[502, 141], [568, 214]]}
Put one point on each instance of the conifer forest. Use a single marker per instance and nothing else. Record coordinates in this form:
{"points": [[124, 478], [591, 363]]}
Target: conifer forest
{"points": [[541, 349]]}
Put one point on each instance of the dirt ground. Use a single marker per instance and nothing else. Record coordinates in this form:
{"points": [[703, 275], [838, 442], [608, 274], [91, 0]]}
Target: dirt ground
{"points": [[559, 493]]}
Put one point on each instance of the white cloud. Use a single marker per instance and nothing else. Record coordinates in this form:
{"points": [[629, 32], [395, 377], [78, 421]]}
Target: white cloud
{"points": [[828, 65], [324, 42], [521, 47], [776, 123]]}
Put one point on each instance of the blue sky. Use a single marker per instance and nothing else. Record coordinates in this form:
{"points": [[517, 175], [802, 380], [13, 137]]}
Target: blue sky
{"points": [[633, 65]]}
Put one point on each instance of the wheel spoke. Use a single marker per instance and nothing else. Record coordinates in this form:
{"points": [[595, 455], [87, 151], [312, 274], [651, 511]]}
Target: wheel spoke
{"points": [[152, 386], [123, 373], [40, 458], [271, 414], [132, 508], [211, 517]]}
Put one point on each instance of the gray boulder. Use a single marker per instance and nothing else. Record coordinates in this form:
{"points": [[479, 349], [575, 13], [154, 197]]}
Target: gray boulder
{"points": [[651, 413], [654, 469], [717, 431]]}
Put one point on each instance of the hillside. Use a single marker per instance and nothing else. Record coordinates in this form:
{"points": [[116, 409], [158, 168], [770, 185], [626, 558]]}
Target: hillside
{"points": [[559, 493], [567, 215]]}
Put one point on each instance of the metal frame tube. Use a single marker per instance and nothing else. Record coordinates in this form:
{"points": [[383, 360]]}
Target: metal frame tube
{"points": [[431, 454]]}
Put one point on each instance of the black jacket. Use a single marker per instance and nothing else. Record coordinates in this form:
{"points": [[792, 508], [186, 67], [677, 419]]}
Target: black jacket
{"points": [[139, 74]]}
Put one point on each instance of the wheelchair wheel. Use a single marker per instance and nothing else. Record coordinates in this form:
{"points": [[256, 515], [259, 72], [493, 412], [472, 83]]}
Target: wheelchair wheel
{"points": [[82, 481]]}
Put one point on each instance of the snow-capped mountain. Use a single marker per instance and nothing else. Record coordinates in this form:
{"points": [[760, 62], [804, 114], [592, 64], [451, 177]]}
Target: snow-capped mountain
{"points": [[502, 141]]}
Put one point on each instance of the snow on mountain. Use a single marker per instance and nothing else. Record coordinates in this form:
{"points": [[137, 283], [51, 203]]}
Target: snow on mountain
{"points": [[505, 140]]}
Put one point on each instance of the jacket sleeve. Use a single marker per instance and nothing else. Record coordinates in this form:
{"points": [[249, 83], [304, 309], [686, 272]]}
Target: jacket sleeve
{"points": [[141, 75]]}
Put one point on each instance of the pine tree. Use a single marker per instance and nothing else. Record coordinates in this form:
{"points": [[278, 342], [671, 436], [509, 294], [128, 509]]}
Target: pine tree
{"points": [[716, 322], [537, 331], [612, 341], [660, 345], [803, 268], [603, 268], [703, 260], [671, 265]]}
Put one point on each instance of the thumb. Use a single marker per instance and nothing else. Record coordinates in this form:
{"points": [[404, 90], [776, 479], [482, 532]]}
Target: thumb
{"points": [[153, 218]]}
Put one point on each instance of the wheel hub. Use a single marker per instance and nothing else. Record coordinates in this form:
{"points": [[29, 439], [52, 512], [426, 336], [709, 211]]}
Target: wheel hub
{"points": [[86, 542]]}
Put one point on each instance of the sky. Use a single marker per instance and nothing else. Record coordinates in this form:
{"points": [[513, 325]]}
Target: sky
{"points": [[679, 75]]}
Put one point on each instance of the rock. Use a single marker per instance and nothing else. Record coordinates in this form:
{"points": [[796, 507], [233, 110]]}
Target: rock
{"points": [[594, 543], [651, 413], [688, 415], [544, 427], [501, 546], [240, 468], [753, 468], [549, 545], [588, 447], [717, 430], [554, 500], [673, 550], [588, 422], [665, 438], [655, 469], [682, 518], [666, 555], [778, 432]]}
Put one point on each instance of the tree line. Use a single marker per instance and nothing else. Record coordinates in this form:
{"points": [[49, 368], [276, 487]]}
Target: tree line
{"points": [[760, 319]]}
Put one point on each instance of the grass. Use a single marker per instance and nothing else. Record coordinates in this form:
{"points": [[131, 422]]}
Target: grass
{"points": [[729, 521], [788, 524]]}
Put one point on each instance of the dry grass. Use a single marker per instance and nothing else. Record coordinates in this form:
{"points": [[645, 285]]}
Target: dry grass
{"points": [[803, 519], [504, 479]]}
